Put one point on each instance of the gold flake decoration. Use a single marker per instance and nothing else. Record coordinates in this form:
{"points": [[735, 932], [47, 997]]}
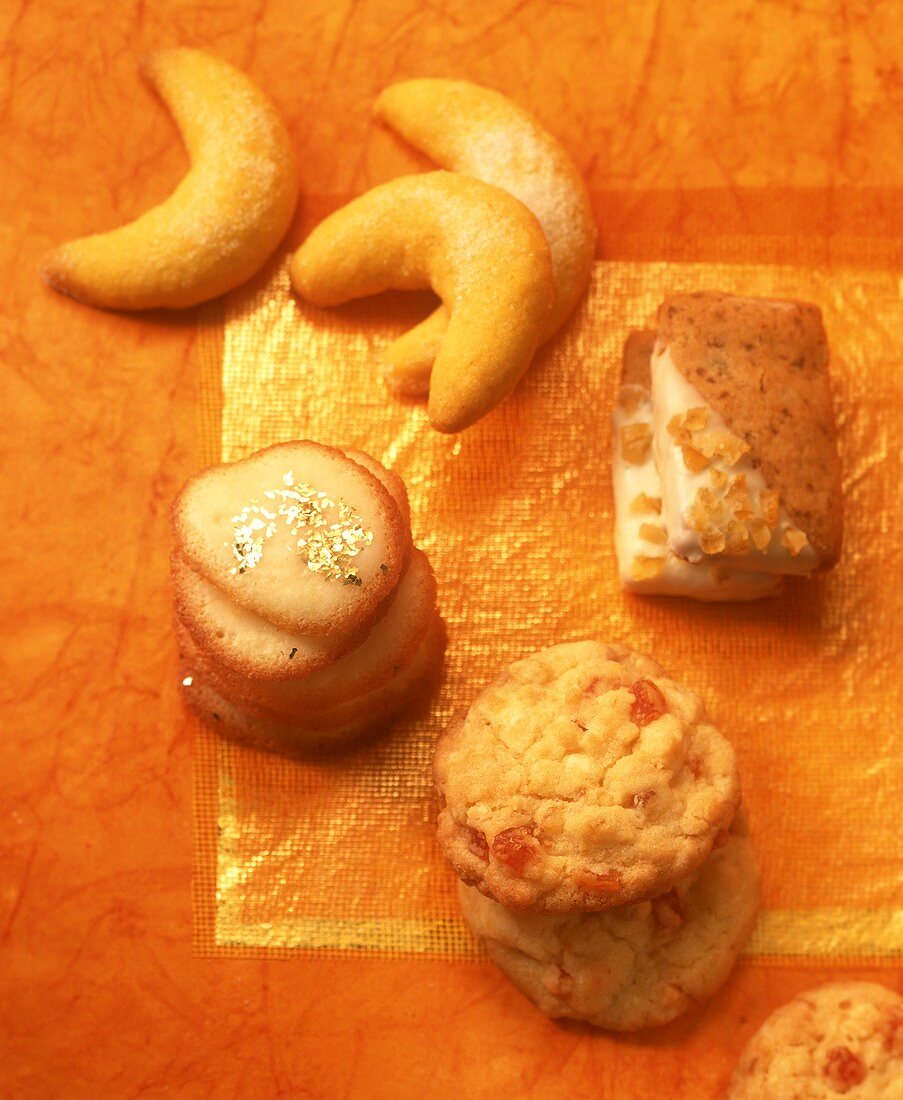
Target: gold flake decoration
{"points": [[328, 533]]}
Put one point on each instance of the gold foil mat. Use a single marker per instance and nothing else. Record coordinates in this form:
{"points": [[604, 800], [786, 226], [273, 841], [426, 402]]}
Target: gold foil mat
{"points": [[516, 515]]}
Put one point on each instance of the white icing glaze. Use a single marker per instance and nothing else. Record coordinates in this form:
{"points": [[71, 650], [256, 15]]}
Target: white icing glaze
{"points": [[673, 395], [677, 577]]}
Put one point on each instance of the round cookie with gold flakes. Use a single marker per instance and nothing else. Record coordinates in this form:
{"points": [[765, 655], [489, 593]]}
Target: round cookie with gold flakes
{"points": [[844, 1039], [297, 533], [582, 779], [636, 966]]}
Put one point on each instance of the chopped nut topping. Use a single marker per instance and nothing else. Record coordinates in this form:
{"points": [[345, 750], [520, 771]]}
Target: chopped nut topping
{"points": [[515, 847], [760, 533], [598, 882], [725, 445], [641, 504], [737, 498], [694, 460], [696, 419], [843, 1069], [631, 397], [712, 541], [768, 503], [736, 538], [651, 532], [635, 441], [644, 568], [700, 512], [795, 540], [648, 703]]}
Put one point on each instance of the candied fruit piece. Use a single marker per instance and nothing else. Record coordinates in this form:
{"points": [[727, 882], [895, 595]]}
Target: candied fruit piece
{"points": [[645, 568], [516, 848], [694, 460], [795, 540], [476, 842], [635, 441], [843, 1069], [651, 532], [697, 418], [648, 703], [675, 424], [598, 882], [712, 541], [641, 504], [719, 477], [737, 497], [668, 911]]}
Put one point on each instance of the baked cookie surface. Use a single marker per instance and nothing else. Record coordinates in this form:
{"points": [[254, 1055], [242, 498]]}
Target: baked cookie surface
{"points": [[636, 966], [582, 779], [843, 1039]]}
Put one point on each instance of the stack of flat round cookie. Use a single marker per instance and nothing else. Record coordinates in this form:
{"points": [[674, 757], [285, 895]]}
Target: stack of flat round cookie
{"points": [[305, 616], [589, 807]]}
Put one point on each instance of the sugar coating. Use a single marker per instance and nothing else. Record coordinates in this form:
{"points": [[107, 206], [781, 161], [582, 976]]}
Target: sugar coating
{"points": [[224, 219], [479, 248], [281, 587], [560, 791], [466, 128], [636, 966], [843, 1039]]}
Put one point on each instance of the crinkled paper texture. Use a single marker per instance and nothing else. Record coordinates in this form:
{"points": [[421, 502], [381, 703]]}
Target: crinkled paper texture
{"points": [[516, 517]]}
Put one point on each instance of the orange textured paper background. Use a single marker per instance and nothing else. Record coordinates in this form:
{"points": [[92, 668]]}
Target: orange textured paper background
{"points": [[769, 135]]}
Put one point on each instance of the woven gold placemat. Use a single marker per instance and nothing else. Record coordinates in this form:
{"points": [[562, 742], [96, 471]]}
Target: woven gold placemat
{"points": [[515, 515]]}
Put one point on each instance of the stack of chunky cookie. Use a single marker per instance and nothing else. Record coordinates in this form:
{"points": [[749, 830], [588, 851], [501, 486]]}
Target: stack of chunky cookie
{"points": [[589, 807], [725, 467], [305, 616]]}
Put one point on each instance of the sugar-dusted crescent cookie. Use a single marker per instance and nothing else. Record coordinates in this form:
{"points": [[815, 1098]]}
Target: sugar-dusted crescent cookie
{"points": [[482, 252], [636, 966], [843, 1039], [480, 132], [741, 390], [296, 533], [224, 219], [389, 646], [582, 779]]}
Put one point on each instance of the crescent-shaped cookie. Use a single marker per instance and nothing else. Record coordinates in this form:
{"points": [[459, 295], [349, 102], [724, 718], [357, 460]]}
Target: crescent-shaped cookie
{"points": [[480, 132], [479, 248], [223, 220]]}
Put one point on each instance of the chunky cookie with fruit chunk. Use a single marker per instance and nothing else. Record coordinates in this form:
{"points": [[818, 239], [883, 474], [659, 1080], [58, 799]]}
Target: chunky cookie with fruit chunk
{"points": [[635, 966], [844, 1039], [298, 533], [582, 779], [744, 433]]}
